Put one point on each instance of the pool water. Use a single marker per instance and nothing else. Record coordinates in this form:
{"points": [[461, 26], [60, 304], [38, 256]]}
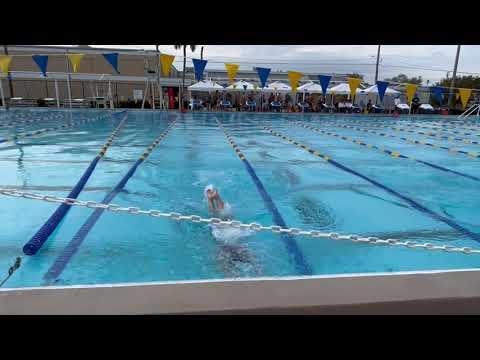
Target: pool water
{"points": [[309, 193]]}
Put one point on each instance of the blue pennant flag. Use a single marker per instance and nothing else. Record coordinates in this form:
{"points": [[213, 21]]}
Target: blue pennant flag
{"points": [[324, 81], [263, 74], [381, 87], [438, 94], [112, 58], [199, 66], [42, 62]]}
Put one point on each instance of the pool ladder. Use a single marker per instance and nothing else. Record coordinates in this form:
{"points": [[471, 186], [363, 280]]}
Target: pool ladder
{"points": [[470, 111]]}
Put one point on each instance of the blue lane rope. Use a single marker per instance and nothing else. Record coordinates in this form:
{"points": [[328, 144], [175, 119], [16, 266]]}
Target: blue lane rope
{"points": [[410, 201], [394, 154], [72, 247], [42, 235], [292, 247]]}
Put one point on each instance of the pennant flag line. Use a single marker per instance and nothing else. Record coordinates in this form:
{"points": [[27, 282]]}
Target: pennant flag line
{"points": [[166, 62], [263, 74], [112, 59], [294, 76], [75, 60], [199, 66], [42, 63], [410, 89], [464, 96], [232, 70], [354, 83], [5, 61], [382, 87], [324, 81]]}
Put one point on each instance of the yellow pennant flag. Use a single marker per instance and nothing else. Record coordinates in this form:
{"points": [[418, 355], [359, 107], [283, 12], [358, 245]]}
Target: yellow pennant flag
{"points": [[75, 60], [166, 61], [232, 70], [464, 96], [354, 83], [294, 76], [410, 89], [5, 61], [457, 96]]}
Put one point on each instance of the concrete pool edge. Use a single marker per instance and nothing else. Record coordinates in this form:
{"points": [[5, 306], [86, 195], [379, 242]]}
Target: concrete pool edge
{"points": [[425, 292]]}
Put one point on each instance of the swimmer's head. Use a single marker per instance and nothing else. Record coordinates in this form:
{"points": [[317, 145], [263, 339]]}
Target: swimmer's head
{"points": [[207, 190]]}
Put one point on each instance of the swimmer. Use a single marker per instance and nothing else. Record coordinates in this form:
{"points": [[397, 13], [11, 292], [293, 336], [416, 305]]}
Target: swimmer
{"points": [[215, 202]]}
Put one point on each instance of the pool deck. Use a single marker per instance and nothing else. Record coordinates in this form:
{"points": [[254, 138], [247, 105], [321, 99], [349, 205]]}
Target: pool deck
{"points": [[427, 292]]}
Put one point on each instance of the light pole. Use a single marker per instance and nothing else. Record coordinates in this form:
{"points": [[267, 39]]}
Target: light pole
{"points": [[452, 83], [376, 68]]}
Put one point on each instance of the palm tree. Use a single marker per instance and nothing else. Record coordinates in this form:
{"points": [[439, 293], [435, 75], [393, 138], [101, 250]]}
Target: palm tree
{"points": [[192, 48]]}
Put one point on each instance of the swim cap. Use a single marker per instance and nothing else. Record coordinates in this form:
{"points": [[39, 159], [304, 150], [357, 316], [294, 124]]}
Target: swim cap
{"points": [[208, 187]]}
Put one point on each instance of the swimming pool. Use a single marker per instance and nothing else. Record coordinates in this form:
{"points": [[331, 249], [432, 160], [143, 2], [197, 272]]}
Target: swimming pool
{"points": [[411, 181]]}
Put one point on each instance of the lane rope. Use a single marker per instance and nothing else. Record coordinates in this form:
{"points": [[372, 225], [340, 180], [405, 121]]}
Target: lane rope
{"points": [[42, 234], [292, 247], [408, 200], [72, 247]]}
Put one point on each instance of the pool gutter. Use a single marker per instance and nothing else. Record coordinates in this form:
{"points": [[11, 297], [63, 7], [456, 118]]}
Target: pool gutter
{"points": [[426, 292]]}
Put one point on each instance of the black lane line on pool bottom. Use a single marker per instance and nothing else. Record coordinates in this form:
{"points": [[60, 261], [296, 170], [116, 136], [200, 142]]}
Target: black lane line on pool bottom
{"points": [[410, 201], [61, 262], [292, 247], [42, 234], [393, 154]]}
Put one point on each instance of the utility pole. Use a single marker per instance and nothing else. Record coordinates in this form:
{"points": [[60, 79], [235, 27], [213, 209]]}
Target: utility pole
{"points": [[378, 60], [10, 85], [452, 83]]}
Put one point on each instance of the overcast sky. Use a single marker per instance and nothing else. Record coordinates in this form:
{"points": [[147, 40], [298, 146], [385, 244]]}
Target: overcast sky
{"points": [[429, 61]]}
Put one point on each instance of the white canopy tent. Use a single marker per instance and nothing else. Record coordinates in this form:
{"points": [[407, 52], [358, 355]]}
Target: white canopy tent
{"points": [[341, 89], [242, 86], [205, 85], [374, 90], [277, 86], [310, 88]]}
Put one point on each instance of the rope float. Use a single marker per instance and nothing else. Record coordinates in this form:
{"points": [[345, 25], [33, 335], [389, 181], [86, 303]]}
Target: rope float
{"points": [[42, 235], [470, 154], [393, 154], [292, 247], [62, 260], [410, 201]]}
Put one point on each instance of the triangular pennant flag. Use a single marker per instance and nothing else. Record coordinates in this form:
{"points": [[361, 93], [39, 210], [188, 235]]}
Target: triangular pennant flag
{"points": [[232, 71], [199, 66], [457, 96], [112, 58], [410, 89], [324, 81], [42, 62], [354, 83], [75, 60], [166, 61], [464, 96], [294, 76], [437, 93], [5, 61], [263, 74], [381, 87]]}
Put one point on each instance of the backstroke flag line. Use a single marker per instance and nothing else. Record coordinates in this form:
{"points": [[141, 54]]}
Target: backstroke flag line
{"points": [[263, 74], [410, 89], [354, 83], [199, 66], [75, 60], [324, 81], [381, 87], [464, 96], [294, 76], [112, 59], [166, 62], [232, 70], [5, 63]]}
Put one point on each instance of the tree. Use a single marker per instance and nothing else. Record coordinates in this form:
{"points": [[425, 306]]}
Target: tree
{"points": [[192, 48], [402, 78], [468, 82]]}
